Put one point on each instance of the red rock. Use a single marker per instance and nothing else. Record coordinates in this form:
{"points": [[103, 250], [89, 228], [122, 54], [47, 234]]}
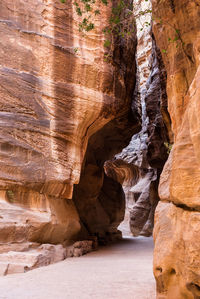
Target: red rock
{"points": [[176, 256], [54, 101]]}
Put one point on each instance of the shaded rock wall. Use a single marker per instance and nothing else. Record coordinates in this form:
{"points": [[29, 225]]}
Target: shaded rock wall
{"points": [[99, 199], [176, 256], [130, 166], [139, 165], [159, 122]]}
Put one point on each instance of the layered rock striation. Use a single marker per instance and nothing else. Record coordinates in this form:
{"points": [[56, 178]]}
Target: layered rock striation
{"points": [[64, 110], [176, 256]]}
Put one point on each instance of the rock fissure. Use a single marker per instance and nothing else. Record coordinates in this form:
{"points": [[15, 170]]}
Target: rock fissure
{"points": [[187, 208], [172, 5]]}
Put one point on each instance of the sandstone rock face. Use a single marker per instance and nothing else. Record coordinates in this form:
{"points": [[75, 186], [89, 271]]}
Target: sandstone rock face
{"points": [[139, 165], [64, 111], [99, 198], [127, 168], [62, 94], [130, 168], [176, 261], [159, 122]]}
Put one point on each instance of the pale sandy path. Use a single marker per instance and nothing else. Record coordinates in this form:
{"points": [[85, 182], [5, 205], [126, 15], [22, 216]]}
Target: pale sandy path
{"points": [[120, 271]]}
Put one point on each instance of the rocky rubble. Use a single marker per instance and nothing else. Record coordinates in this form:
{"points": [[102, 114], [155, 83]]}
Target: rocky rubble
{"points": [[29, 256]]}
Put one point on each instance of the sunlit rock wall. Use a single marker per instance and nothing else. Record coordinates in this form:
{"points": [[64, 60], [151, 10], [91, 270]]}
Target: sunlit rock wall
{"points": [[56, 93], [177, 243]]}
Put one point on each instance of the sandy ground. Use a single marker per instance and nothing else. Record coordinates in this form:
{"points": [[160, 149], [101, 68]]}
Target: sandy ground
{"points": [[120, 271]]}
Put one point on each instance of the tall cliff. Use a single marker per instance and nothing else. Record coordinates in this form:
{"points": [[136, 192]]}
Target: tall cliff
{"points": [[138, 166], [64, 110], [177, 245]]}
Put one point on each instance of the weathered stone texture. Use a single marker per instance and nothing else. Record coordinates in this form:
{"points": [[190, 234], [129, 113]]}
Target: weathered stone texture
{"points": [[177, 259], [56, 93], [177, 243], [53, 99], [138, 166], [99, 198], [159, 122]]}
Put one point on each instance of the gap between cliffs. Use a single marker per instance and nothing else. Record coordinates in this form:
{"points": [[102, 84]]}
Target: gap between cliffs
{"points": [[123, 187]]}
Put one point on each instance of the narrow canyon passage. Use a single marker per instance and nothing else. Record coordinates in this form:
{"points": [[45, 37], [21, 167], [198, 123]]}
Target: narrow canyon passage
{"points": [[99, 132], [122, 270]]}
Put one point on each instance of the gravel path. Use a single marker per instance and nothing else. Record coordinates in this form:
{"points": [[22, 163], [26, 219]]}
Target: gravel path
{"points": [[120, 271]]}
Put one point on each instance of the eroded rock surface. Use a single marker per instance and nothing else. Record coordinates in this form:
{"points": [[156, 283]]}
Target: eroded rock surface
{"points": [[57, 95], [139, 165], [176, 260], [99, 198]]}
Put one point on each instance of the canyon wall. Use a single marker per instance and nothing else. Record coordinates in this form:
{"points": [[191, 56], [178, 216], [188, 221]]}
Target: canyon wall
{"points": [[139, 165], [177, 244], [64, 111]]}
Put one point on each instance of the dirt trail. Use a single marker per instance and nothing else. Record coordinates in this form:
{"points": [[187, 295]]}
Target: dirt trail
{"points": [[120, 271]]}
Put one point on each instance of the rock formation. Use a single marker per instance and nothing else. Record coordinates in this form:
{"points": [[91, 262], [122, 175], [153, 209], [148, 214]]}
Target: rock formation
{"points": [[176, 258], [139, 165], [64, 111]]}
